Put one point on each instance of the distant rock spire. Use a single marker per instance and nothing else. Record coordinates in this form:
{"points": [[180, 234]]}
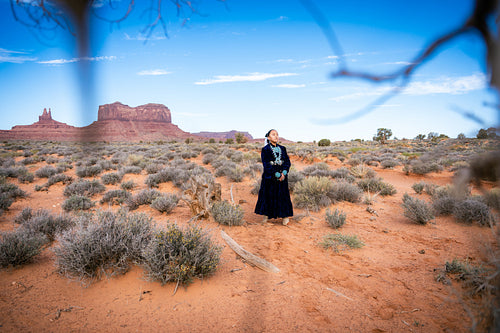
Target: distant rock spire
{"points": [[45, 116]]}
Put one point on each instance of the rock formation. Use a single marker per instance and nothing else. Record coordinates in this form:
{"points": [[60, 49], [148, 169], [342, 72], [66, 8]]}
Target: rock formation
{"points": [[149, 112]]}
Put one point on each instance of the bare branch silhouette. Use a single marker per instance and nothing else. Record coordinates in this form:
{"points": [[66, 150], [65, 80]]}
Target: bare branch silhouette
{"points": [[477, 22]]}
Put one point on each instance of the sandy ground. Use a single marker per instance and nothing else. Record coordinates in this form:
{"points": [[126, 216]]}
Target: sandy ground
{"points": [[387, 286]]}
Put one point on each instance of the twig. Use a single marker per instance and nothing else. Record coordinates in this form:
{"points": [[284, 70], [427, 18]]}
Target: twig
{"points": [[231, 192], [339, 294], [235, 270]]}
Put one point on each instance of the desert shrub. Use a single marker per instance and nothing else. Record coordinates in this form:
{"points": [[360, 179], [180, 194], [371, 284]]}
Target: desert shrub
{"points": [[84, 187], [105, 242], [324, 143], [153, 168], [354, 161], [421, 168], [59, 178], [128, 185], [12, 172], [77, 202], [376, 185], [45, 172], [389, 163], [340, 242], [294, 177], [131, 169], [179, 255], [344, 191], [117, 197], [312, 193], [417, 210], [444, 205], [226, 213], [88, 171], [343, 173], [8, 193], [362, 171], [418, 187], [256, 186], [474, 278], [145, 197], [42, 221], [492, 198], [111, 178], [27, 177], [335, 219], [317, 170], [18, 247], [165, 203], [472, 210], [24, 215]]}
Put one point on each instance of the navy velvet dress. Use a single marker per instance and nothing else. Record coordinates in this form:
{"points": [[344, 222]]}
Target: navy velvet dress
{"points": [[274, 196]]}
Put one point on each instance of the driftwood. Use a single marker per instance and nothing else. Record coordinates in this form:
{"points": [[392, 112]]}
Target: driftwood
{"points": [[249, 257], [200, 196]]}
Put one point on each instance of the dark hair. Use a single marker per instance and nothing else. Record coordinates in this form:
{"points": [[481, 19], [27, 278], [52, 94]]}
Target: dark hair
{"points": [[269, 132]]}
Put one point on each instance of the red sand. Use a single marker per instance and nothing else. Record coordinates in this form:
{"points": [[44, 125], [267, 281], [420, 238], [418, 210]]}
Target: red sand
{"points": [[386, 286]]}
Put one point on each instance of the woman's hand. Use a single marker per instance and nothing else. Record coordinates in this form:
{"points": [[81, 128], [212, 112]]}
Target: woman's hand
{"points": [[282, 178]]}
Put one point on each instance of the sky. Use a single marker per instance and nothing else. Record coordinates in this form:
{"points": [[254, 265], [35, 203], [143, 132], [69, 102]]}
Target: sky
{"points": [[254, 65]]}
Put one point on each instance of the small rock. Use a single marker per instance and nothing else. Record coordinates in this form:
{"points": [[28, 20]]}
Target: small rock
{"points": [[421, 251]]}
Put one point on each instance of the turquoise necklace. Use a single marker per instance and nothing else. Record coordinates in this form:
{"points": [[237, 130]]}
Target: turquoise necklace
{"points": [[277, 155]]}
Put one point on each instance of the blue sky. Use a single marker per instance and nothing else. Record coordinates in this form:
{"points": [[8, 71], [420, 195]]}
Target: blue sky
{"points": [[255, 65]]}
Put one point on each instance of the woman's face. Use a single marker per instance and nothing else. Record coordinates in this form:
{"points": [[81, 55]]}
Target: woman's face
{"points": [[273, 137]]}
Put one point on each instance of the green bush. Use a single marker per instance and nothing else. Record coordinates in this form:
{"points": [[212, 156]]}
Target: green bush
{"points": [[335, 219], [324, 143], [20, 246], [226, 213], [179, 255], [417, 210], [340, 242]]}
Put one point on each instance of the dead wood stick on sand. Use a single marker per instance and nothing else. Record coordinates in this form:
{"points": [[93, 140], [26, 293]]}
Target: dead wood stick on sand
{"points": [[249, 257], [339, 294]]}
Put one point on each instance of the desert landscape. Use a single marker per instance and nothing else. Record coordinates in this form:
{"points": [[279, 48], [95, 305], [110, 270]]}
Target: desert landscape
{"points": [[407, 272]]}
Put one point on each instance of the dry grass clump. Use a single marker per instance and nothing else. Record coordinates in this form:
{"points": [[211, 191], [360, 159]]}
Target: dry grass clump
{"points": [[417, 210], [179, 255], [362, 171], [226, 213], [341, 242], [335, 219], [20, 246]]}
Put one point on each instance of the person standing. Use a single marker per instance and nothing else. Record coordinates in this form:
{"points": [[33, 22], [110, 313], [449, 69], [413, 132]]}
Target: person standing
{"points": [[274, 195]]}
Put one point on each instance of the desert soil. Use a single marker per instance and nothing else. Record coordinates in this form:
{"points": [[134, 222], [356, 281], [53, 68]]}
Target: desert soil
{"points": [[389, 285]]}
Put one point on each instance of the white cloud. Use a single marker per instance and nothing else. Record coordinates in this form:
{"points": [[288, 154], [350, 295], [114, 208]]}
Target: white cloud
{"points": [[68, 61], [154, 72], [243, 78], [289, 86], [15, 57], [443, 85], [142, 37]]}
